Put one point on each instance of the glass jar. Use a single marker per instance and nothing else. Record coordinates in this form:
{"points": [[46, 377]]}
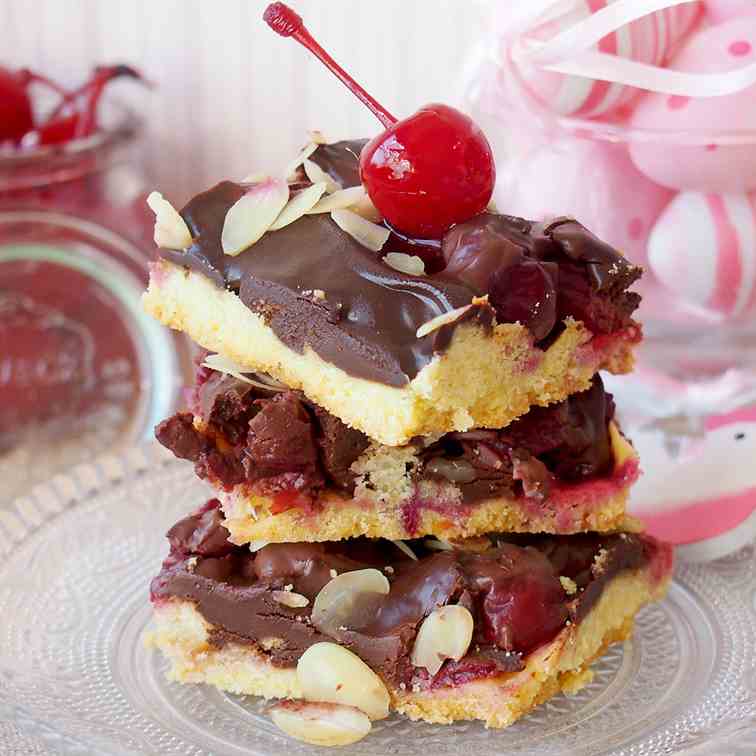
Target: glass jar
{"points": [[690, 405], [698, 250], [83, 370]]}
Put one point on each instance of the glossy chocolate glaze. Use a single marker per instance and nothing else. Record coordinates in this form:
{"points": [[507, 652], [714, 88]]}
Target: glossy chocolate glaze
{"points": [[367, 320], [233, 590], [341, 161], [318, 288]]}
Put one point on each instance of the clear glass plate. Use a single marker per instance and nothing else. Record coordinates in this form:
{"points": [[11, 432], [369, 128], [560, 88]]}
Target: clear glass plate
{"points": [[76, 556]]}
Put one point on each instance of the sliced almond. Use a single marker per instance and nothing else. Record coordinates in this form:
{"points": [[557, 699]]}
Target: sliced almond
{"points": [[303, 202], [222, 364], [402, 546], [317, 136], [316, 174], [436, 544], [171, 231], [291, 168], [329, 672], [441, 320], [257, 545], [445, 634], [412, 265], [368, 234], [366, 209], [320, 724], [569, 585], [339, 200], [337, 598], [289, 598], [252, 214]]}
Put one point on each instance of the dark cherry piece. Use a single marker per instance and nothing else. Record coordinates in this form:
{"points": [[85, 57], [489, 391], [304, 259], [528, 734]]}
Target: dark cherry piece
{"points": [[521, 602], [526, 293], [424, 173], [474, 250]]}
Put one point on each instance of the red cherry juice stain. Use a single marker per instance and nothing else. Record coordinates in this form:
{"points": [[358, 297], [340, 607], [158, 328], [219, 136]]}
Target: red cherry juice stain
{"points": [[739, 48]]}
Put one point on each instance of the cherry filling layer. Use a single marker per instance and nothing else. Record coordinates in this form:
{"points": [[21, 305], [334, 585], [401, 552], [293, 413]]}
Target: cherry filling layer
{"points": [[520, 590], [280, 444]]}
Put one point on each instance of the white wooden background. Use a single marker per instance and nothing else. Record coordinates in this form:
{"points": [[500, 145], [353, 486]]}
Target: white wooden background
{"points": [[232, 96]]}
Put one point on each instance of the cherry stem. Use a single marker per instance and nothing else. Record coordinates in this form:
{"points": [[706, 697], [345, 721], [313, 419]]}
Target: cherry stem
{"points": [[92, 89], [285, 22], [29, 77]]}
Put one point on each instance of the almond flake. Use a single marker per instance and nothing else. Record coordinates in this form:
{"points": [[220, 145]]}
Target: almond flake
{"points": [[252, 215], [444, 634], [317, 136], [368, 234], [402, 546], [333, 674], [441, 320], [316, 174], [299, 205], [367, 209], [569, 585], [171, 231], [222, 364], [412, 265], [320, 724], [339, 200], [436, 544], [257, 545], [291, 168], [291, 599]]}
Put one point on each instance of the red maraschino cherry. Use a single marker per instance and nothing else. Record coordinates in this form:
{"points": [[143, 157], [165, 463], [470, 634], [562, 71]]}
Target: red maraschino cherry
{"points": [[16, 113], [424, 173]]}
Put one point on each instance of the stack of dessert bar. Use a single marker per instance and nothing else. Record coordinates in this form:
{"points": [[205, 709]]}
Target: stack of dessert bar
{"points": [[420, 479]]}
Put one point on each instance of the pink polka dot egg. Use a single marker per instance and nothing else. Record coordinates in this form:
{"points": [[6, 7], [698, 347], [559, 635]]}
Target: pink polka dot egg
{"points": [[704, 166], [618, 203], [703, 249], [723, 10], [650, 39]]}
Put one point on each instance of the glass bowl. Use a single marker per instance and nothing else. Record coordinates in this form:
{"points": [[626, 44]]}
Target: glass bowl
{"points": [[77, 557]]}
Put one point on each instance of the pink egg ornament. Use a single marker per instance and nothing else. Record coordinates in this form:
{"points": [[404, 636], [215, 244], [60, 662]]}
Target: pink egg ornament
{"points": [[593, 181], [706, 166], [723, 10], [703, 249], [703, 498], [651, 39]]}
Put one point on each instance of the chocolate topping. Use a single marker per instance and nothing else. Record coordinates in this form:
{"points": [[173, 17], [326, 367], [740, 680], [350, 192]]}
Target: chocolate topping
{"points": [[367, 321], [513, 591], [280, 439], [341, 161]]}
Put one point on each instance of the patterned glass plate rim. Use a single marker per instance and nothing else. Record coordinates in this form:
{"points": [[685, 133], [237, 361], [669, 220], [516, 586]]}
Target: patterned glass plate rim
{"points": [[76, 556]]}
